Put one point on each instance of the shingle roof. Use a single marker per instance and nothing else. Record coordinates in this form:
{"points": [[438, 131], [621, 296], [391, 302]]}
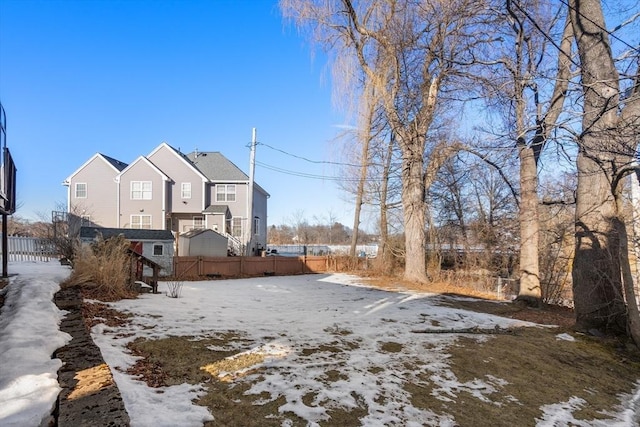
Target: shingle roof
{"points": [[216, 209], [115, 162], [216, 167], [128, 233], [197, 231]]}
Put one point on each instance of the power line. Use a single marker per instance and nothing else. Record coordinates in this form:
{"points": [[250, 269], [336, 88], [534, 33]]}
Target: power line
{"points": [[309, 175], [326, 162], [637, 49]]}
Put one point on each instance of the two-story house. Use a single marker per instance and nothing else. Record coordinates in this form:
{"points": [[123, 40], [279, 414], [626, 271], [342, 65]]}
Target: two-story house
{"points": [[169, 190]]}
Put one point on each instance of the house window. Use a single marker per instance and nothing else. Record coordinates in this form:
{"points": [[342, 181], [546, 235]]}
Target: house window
{"points": [[236, 227], [225, 193], [256, 225], [158, 249], [198, 222], [141, 221], [186, 190], [140, 190], [81, 190]]}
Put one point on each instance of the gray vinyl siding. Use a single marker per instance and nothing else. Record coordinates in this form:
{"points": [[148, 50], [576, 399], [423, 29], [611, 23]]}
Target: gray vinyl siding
{"points": [[100, 204], [141, 171], [170, 164], [260, 210]]}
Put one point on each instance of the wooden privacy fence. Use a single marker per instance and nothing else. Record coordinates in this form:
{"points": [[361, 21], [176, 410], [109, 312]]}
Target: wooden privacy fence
{"points": [[198, 266], [30, 249]]}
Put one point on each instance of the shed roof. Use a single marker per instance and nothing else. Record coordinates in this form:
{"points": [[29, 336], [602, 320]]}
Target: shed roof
{"points": [[197, 231], [127, 233]]}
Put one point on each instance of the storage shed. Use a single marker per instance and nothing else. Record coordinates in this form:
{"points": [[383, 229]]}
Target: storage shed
{"points": [[202, 242], [156, 245]]}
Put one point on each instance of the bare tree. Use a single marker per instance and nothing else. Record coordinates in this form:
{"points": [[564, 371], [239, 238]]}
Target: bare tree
{"points": [[607, 144], [516, 86], [411, 52]]}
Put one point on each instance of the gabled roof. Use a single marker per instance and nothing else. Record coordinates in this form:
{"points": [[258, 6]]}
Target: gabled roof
{"points": [[117, 165], [128, 233], [149, 163], [197, 231], [180, 156]]}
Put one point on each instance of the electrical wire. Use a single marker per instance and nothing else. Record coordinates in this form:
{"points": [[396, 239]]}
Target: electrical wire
{"points": [[309, 175], [637, 49], [326, 162]]}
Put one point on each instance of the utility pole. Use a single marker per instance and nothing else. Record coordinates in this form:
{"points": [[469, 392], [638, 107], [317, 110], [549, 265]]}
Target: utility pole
{"points": [[252, 168]]}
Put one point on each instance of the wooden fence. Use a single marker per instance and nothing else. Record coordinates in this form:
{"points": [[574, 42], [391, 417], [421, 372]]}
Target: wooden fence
{"points": [[30, 249], [187, 267]]}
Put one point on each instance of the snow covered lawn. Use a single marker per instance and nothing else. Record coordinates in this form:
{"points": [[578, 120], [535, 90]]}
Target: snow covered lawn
{"points": [[325, 342], [313, 346]]}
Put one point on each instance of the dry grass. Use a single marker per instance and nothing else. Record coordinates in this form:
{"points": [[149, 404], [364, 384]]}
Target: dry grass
{"points": [[528, 369], [103, 269]]}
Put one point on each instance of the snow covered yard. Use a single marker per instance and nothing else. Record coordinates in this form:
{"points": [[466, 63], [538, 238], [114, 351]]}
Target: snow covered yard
{"points": [[301, 351], [327, 344]]}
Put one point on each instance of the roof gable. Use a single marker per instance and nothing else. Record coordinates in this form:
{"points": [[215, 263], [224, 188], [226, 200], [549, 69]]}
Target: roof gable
{"points": [[146, 162], [201, 231], [183, 158], [115, 164]]}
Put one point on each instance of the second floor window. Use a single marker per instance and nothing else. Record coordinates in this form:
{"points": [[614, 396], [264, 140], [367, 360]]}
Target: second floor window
{"points": [[140, 190], [141, 221], [236, 226], [81, 190], [225, 193], [186, 190]]}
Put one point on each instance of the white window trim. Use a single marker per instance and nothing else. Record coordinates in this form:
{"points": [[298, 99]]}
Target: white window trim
{"points": [[85, 190], [153, 250], [225, 193], [240, 222], [145, 193], [185, 190], [200, 219], [141, 222]]}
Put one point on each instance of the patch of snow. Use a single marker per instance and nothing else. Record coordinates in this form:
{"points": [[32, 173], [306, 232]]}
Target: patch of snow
{"points": [[29, 334], [565, 337]]}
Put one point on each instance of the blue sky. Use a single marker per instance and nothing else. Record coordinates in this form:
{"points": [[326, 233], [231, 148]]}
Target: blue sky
{"points": [[119, 77]]}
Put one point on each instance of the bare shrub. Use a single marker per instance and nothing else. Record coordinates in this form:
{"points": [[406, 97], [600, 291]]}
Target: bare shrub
{"points": [[174, 288], [104, 269]]}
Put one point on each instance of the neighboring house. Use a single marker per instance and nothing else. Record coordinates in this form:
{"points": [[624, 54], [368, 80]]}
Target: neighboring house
{"points": [[168, 190], [92, 193], [156, 245], [202, 242]]}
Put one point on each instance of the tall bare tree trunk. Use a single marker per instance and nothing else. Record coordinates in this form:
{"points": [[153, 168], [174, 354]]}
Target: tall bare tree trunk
{"points": [[414, 207], [597, 286], [529, 227], [385, 257], [524, 66], [364, 162]]}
